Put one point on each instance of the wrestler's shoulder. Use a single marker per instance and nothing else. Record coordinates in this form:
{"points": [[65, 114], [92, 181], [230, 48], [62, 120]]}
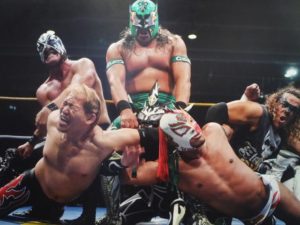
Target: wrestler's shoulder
{"points": [[176, 39], [82, 61], [116, 45]]}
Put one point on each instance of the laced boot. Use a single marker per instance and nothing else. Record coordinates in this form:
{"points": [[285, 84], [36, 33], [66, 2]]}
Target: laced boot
{"points": [[111, 195]]}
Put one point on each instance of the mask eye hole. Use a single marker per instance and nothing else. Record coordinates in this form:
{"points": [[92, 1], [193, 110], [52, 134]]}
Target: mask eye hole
{"points": [[136, 20], [40, 47]]}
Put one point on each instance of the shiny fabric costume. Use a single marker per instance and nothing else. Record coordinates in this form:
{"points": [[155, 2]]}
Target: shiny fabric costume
{"points": [[25, 189]]}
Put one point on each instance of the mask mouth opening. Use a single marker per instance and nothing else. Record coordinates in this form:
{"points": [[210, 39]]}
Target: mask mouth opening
{"points": [[45, 50]]}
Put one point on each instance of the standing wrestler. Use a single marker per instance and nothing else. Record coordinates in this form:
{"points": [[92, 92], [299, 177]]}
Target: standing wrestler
{"points": [[73, 139], [62, 72], [210, 170], [145, 54]]}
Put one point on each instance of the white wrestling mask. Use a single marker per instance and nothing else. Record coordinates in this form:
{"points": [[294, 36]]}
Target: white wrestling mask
{"points": [[182, 129]]}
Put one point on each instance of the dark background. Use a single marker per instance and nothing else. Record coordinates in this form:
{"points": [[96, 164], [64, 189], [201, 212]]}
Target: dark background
{"points": [[239, 42]]}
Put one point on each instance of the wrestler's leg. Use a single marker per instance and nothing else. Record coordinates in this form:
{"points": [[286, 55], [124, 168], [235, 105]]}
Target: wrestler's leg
{"points": [[16, 193], [198, 213], [18, 165], [137, 208], [89, 205], [111, 194], [288, 208]]}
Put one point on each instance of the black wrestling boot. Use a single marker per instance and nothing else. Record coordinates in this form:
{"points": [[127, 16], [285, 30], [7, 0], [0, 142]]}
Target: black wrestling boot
{"points": [[111, 195]]}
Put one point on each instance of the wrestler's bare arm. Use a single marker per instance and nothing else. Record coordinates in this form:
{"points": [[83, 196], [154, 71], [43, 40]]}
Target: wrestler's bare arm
{"points": [[244, 112], [117, 139], [116, 74], [84, 72], [181, 72], [146, 174]]}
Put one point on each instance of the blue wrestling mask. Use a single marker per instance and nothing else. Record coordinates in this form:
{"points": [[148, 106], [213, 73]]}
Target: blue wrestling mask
{"points": [[143, 15], [50, 40]]}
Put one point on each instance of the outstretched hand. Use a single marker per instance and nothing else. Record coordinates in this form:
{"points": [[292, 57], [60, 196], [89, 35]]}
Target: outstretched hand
{"points": [[25, 150], [252, 92], [131, 156]]}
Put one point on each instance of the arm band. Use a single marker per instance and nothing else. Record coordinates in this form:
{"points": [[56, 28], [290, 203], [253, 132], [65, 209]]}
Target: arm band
{"points": [[122, 104], [180, 105], [113, 62], [217, 113], [52, 106], [34, 140], [148, 136], [180, 58], [149, 140]]}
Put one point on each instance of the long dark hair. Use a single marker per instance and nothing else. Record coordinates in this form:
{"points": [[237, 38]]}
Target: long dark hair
{"points": [[293, 128]]}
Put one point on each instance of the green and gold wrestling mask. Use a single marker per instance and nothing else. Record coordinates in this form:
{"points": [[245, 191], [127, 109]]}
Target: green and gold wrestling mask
{"points": [[143, 15]]}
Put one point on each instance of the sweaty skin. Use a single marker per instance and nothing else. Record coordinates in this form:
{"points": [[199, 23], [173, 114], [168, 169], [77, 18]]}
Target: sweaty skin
{"points": [[216, 176], [147, 64], [73, 140], [144, 64], [72, 72]]}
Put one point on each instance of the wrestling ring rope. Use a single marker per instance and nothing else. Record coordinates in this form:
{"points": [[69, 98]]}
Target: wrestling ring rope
{"points": [[107, 101]]}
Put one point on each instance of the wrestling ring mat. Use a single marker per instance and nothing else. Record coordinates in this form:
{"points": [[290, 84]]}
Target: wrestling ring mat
{"points": [[74, 212], [71, 212]]}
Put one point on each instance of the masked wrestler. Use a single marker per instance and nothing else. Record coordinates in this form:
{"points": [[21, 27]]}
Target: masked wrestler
{"points": [[210, 171], [62, 72], [146, 53], [156, 200]]}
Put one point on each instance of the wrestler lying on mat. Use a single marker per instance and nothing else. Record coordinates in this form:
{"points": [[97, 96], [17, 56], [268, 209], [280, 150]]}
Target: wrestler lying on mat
{"points": [[210, 171], [72, 155]]}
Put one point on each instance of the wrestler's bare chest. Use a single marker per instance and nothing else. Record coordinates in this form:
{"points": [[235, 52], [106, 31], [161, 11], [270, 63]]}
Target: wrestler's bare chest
{"points": [[143, 58], [52, 88]]}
